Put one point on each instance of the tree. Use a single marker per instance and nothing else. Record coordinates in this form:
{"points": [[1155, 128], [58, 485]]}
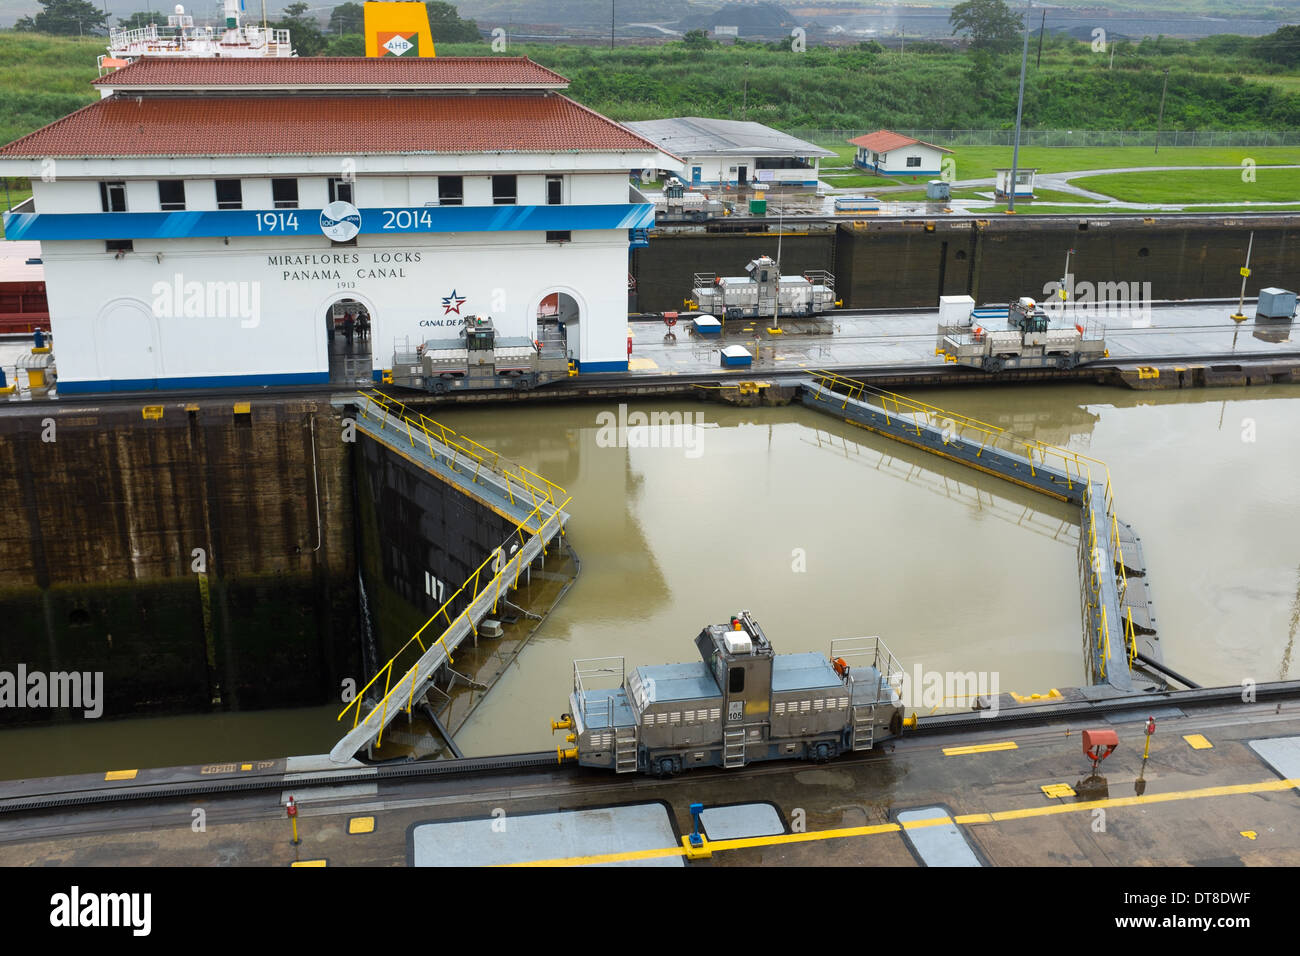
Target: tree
{"points": [[347, 18], [1280, 47], [138, 20], [697, 40], [66, 18], [447, 27], [304, 30], [350, 44], [990, 23]]}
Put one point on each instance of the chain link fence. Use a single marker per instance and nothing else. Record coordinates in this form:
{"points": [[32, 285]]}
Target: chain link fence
{"points": [[1061, 137]]}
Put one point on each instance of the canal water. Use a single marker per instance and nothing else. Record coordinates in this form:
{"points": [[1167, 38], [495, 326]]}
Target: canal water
{"points": [[823, 530]]}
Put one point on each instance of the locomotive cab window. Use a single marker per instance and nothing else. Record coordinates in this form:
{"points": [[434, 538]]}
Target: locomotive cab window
{"points": [[736, 681]]}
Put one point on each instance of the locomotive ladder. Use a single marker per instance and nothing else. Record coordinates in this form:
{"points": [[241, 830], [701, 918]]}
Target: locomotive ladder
{"points": [[733, 747], [625, 749], [864, 727]]}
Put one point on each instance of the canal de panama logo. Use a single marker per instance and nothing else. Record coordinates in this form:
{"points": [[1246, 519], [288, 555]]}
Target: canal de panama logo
{"points": [[452, 303], [340, 221]]}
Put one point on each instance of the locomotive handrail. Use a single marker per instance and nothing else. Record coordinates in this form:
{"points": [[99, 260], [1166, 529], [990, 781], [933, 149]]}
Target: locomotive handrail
{"points": [[596, 665]]}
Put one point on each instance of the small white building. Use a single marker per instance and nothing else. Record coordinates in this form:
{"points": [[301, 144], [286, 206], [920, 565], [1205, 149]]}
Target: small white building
{"points": [[1024, 182], [204, 222], [886, 153], [734, 152]]}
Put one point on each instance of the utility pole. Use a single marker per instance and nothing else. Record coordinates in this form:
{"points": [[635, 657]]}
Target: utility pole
{"points": [[1160, 120], [1042, 28], [1020, 110], [611, 24]]}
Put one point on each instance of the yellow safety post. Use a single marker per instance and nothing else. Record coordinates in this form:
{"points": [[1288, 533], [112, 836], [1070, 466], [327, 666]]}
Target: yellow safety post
{"points": [[291, 808]]}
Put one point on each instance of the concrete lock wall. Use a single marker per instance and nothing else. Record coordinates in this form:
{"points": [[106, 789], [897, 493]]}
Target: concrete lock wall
{"points": [[899, 264], [184, 556], [420, 539]]}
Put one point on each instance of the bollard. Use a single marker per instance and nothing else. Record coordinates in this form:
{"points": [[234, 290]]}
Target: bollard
{"points": [[1151, 729]]}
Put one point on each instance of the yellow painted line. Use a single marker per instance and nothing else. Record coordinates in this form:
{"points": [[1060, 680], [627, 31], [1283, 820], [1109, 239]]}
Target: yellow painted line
{"points": [[1198, 741], [1249, 834], [641, 365], [121, 774], [245, 766], [1267, 786], [308, 863], [979, 748], [1058, 790], [361, 825], [717, 845], [929, 822]]}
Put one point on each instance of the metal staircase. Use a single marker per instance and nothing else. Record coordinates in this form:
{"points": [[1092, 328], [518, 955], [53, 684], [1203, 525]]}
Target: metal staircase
{"points": [[625, 750], [733, 747], [864, 727]]}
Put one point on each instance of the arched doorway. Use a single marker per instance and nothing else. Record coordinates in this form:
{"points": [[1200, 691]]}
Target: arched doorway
{"points": [[349, 331], [558, 324], [126, 344]]}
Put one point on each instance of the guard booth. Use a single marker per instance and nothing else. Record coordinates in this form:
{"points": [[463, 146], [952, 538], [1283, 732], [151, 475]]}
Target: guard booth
{"points": [[1024, 183]]}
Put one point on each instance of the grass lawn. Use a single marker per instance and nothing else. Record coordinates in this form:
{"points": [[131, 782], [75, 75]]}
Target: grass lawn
{"points": [[978, 162], [1208, 185], [859, 178]]}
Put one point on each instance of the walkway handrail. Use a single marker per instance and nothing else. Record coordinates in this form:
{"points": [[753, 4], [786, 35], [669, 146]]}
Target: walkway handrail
{"points": [[497, 555], [1037, 452], [477, 455]]}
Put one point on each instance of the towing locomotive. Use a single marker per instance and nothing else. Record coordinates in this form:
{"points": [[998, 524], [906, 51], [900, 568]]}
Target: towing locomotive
{"points": [[479, 358], [762, 291], [1028, 341], [738, 704]]}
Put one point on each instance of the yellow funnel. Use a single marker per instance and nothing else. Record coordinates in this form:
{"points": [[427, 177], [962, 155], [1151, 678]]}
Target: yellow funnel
{"points": [[397, 28]]}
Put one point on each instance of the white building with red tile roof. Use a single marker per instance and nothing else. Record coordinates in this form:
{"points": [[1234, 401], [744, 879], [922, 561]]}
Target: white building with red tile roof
{"points": [[887, 153], [200, 222]]}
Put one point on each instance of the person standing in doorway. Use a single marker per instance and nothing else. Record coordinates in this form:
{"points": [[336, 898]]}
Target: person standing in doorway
{"points": [[348, 322]]}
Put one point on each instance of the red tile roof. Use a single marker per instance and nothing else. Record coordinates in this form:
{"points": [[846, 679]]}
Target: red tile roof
{"points": [[351, 71], [883, 140], [225, 125]]}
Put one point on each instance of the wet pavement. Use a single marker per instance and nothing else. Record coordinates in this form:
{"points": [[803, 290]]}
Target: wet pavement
{"points": [[1210, 794], [905, 339]]}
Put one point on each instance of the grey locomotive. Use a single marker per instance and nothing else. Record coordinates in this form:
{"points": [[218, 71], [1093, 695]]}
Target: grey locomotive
{"points": [[738, 704], [479, 358]]}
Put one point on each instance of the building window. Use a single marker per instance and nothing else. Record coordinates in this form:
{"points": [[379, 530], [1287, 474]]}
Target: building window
{"points": [[736, 680], [284, 193], [554, 190], [112, 196], [503, 190], [340, 190], [119, 245], [451, 191], [559, 235], [171, 194], [230, 194], [914, 161]]}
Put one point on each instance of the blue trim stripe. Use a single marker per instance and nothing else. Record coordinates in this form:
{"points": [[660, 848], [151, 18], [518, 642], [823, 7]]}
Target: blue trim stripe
{"points": [[602, 366], [202, 381], [307, 222]]}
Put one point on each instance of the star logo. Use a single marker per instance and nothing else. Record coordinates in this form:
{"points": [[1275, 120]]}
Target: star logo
{"points": [[452, 303]]}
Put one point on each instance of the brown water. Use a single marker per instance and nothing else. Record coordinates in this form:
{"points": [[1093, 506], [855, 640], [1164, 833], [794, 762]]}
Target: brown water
{"points": [[954, 570]]}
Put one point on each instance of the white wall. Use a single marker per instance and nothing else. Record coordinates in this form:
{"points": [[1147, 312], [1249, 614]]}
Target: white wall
{"points": [[113, 319]]}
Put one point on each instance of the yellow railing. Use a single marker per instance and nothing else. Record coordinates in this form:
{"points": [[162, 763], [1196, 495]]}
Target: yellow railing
{"points": [[1074, 466], [464, 451], [495, 582]]}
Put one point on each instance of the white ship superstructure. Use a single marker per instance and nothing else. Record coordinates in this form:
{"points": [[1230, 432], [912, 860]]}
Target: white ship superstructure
{"points": [[180, 37]]}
